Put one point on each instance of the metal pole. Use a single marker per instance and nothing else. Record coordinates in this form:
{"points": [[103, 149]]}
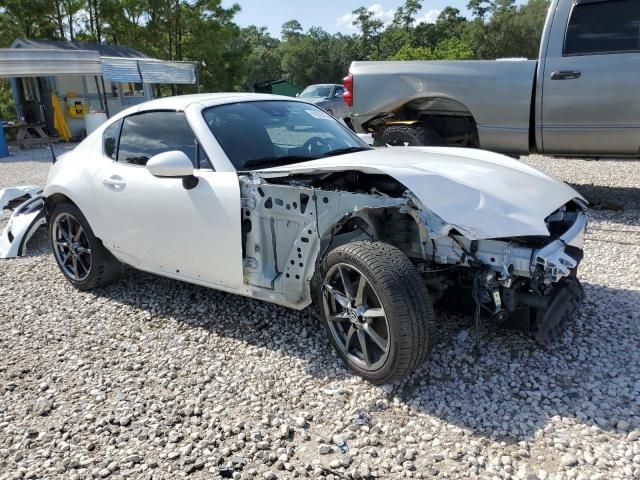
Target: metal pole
{"points": [[95, 77], [106, 101], [197, 78]]}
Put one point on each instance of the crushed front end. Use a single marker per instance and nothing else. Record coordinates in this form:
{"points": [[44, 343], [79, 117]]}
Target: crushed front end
{"points": [[528, 283]]}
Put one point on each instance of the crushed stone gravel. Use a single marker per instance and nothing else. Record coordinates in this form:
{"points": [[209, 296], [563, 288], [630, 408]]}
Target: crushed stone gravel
{"points": [[154, 378]]}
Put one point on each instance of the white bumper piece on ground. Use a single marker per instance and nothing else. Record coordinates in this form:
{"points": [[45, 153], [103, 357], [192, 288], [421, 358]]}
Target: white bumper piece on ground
{"points": [[24, 221]]}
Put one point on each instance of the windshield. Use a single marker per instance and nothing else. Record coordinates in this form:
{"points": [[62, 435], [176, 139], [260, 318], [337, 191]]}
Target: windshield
{"points": [[280, 132], [316, 91]]}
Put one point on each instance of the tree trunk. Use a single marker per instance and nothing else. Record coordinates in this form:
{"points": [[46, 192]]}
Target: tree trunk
{"points": [[71, 35], [97, 18], [178, 32], [60, 20], [91, 20]]}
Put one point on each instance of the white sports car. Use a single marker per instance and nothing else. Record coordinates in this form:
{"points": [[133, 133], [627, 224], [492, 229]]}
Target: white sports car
{"points": [[272, 198]]}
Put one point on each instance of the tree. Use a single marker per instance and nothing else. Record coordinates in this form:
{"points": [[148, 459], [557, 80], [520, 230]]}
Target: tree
{"points": [[392, 40], [509, 31], [263, 61], [412, 53], [7, 109], [291, 30], [369, 26], [479, 8], [453, 49], [29, 18], [405, 15]]}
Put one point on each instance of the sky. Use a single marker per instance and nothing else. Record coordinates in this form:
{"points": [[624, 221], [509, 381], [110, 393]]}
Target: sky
{"points": [[332, 15]]}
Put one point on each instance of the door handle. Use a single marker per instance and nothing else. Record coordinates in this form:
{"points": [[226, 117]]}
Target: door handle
{"points": [[114, 183], [566, 75]]}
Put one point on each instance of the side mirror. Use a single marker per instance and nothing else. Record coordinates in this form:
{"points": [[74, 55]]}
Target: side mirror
{"points": [[338, 94], [173, 164], [297, 95]]}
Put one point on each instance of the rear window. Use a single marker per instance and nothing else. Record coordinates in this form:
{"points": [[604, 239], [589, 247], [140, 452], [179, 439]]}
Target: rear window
{"points": [[603, 27]]}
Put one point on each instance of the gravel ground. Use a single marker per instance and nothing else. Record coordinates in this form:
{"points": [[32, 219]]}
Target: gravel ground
{"points": [[153, 378]]}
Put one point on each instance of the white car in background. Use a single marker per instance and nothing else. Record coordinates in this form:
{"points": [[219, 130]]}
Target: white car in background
{"points": [[271, 198]]}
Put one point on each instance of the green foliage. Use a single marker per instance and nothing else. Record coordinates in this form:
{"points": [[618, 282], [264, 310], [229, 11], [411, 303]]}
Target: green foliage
{"points": [[508, 30], [406, 14], [453, 49], [407, 52], [233, 58], [7, 109]]}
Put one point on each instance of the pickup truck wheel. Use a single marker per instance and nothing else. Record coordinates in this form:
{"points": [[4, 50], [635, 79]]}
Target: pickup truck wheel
{"points": [[416, 135], [376, 310], [82, 258]]}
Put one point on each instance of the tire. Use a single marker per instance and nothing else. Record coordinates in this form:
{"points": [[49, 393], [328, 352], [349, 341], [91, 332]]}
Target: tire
{"points": [[394, 304], [93, 266], [416, 135]]}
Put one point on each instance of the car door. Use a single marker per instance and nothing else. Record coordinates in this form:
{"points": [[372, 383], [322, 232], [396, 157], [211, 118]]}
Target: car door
{"points": [[157, 224], [591, 92]]}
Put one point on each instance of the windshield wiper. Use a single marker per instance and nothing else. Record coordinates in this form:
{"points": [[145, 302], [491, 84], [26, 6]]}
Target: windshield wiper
{"points": [[341, 151], [277, 161]]}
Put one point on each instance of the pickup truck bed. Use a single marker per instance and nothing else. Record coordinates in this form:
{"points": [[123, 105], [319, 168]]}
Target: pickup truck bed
{"points": [[453, 88], [580, 98]]}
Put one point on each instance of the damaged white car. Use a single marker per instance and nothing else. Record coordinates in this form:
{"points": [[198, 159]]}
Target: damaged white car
{"points": [[272, 198]]}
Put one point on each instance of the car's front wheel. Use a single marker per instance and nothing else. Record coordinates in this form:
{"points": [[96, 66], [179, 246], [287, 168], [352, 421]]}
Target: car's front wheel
{"points": [[82, 258], [376, 310]]}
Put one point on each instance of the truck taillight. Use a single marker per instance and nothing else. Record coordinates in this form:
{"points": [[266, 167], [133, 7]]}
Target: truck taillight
{"points": [[348, 95]]}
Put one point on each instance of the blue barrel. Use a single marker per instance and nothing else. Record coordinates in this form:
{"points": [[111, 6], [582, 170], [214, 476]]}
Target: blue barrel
{"points": [[4, 151]]}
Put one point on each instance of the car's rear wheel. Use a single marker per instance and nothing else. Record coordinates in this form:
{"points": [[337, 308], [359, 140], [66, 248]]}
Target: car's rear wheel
{"points": [[82, 258], [376, 310], [416, 135]]}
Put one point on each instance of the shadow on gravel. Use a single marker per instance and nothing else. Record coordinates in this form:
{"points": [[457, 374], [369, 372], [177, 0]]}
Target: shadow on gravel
{"points": [[509, 393], [610, 198], [590, 376]]}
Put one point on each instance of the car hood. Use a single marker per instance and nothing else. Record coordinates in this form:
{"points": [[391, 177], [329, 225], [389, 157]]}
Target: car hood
{"points": [[315, 99], [482, 194]]}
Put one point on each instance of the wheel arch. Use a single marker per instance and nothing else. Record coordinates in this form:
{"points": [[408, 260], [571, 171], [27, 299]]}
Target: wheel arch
{"points": [[370, 224], [449, 117], [54, 197]]}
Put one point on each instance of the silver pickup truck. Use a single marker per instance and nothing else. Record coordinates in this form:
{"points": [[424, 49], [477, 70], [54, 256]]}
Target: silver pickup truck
{"points": [[582, 97]]}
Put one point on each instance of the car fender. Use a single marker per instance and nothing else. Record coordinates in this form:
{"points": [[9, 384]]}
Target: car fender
{"points": [[76, 184]]}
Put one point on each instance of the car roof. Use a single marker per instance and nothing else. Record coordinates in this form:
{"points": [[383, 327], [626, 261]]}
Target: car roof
{"points": [[181, 102]]}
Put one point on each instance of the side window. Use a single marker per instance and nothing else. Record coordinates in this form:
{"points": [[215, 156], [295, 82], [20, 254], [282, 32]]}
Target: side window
{"points": [[110, 140], [598, 26], [147, 134], [131, 89]]}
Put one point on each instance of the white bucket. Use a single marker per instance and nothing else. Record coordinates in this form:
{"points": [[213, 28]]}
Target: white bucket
{"points": [[93, 121]]}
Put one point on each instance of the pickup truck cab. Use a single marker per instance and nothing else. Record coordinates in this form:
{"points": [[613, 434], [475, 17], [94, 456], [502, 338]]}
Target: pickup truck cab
{"points": [[581, 97]]}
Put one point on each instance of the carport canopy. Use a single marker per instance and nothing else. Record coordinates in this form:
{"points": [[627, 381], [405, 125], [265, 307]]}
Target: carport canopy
{"points": [[30, 62], [157, 71]]}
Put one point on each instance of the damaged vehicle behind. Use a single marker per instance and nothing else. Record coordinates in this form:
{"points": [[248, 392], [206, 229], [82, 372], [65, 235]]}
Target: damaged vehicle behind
{"points": [[272, 198]]}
